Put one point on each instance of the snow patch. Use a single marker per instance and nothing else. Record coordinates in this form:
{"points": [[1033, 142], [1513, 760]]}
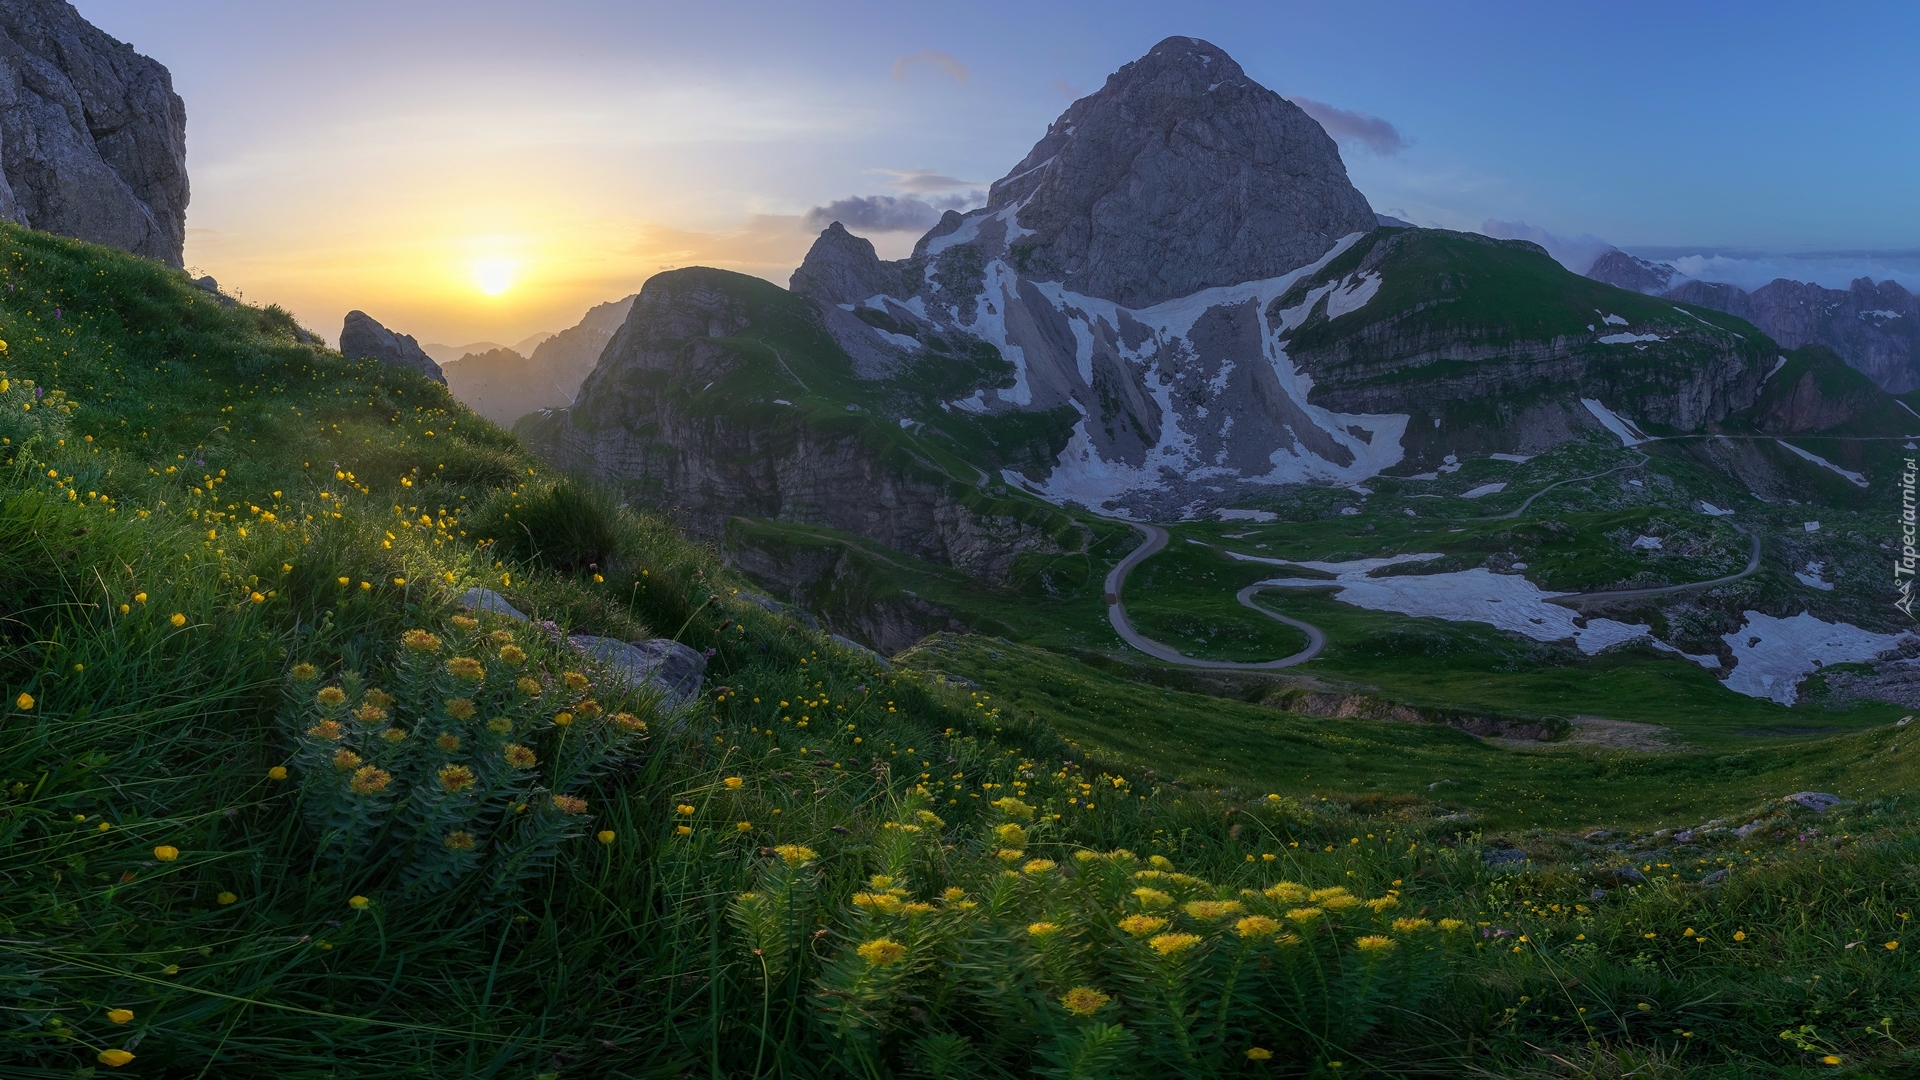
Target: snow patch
{"points": [[1775, 369], [1711, 510], [1355, 296], [1619, 425], [1773, 655], [1507, 601], [1628, 339], [1854, 478], [1247, 515], [1813, 577], [1649, 543], [1484, 489], [1517, 459], [898, 340], [1614, 320]]}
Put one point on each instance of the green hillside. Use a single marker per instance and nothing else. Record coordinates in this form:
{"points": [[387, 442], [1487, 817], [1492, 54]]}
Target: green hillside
{"points": [[272, 806]]}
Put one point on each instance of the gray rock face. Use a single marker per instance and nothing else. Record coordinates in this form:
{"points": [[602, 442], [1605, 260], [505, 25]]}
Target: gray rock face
{"points": [[93, 140], [1620, 269], [482, 599], [1179, 174], [842, 268], [671, 669], [363, 338], [1817, 801]]}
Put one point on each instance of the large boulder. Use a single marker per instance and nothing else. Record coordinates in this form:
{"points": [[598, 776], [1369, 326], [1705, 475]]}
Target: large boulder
{"points": [[93, 140], [1180, 174], [363, 338]]}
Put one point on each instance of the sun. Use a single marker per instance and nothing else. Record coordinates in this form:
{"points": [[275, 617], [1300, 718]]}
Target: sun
{"points": [[494, 276]]}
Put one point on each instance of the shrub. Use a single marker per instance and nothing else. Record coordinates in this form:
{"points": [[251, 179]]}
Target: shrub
{"points": [[566, 526], [474, 762]]}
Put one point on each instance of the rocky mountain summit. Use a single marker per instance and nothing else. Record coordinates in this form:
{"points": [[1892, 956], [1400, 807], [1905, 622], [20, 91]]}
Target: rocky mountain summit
{"points": [[93, 140], [363, 338], [1874, 326]]}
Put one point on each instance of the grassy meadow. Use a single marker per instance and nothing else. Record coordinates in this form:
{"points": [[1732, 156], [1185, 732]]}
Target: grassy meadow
{"points": [[271, 805]]}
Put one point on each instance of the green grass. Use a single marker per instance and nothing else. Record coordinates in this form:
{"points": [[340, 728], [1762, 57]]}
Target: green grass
{"points": [[246, 956]]}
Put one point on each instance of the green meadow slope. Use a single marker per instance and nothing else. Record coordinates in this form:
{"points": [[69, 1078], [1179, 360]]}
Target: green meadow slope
{"points": [[271, 805]]}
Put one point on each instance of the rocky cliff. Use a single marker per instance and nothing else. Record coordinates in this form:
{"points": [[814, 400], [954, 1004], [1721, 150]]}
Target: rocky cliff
{"points": [[363, 338], [503, 385], [93, 140], [1875, 327]]}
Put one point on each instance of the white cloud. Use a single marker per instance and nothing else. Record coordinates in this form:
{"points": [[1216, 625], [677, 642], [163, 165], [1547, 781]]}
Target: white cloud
{"points": [[933, 58], [1348, 126]]}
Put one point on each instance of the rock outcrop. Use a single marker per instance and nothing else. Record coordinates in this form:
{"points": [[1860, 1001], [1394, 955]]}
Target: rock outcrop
{"points": [[1179, 174], [1621, 270], [363, 338], [842, 268], [93, 140]]}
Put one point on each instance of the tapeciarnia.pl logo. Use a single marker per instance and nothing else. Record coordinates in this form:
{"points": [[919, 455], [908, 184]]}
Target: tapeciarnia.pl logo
{"points": [[1909, 560]]}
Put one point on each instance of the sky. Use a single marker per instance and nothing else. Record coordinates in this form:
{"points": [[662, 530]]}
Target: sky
{"points": [[470, 170]]}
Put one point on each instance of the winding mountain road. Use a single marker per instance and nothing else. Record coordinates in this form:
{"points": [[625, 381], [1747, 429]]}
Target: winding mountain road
{"points": [[1156, 539]]}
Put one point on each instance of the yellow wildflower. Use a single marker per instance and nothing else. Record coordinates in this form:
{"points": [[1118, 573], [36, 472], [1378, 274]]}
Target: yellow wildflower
{"points": [[1286, 892], [574, 680], [460, 708], [1212, 909], [733, 783], [455, 778], [119, 1016], [564, 719], [358, 903], [885, 903], [1141, 925], [1256, 926], [113, 1059], [465, 622], [448, 742], [1084, 1001], [166, 853], [278, 772], [367, 780], [1374, 943], [1012, 807], [570, 804], [305, 672], [420, 641], [1305, 914], [513, 654], [370, 713], [527, 685], [500, 725], [519, 756], [1258, 1053], [1042, 929], [928, 817], [1173, 944], [177, 620], [225, 898], [23, 702], [1451, 925], [1010, 833], [795, 854], [1739, 935], [331, 697], [1037, 866], [1152, 897], [605, 836], [466, 667], [743, 826], [1381, 904], [881, 952], [1408, 926], [683, 810]]}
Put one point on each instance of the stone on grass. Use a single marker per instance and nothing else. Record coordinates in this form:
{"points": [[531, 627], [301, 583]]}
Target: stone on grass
{"points": [[484, 599], [669, 668]]}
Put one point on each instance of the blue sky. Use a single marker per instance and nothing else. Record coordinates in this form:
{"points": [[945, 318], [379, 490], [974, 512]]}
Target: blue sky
{"points": [[361, 154]]}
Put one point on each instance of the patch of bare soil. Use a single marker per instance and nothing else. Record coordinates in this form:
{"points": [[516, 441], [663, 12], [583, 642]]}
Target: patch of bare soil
{"points": [[1597, 731]]}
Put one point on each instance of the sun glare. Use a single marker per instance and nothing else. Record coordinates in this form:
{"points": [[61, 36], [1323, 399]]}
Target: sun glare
{"points": [[494, 276]]}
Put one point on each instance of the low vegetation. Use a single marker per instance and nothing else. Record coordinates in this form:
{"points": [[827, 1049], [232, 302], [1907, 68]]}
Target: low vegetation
{"points": [[273, 805]]}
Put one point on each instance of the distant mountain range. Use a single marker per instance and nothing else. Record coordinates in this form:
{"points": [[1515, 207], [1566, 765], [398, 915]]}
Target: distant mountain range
{"points": [[447, 354], [543, 372], [1873, 327]]}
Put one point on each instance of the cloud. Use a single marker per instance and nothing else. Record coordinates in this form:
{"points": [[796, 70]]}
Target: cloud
{"points": [[934, 58], [1576, 253], [1345, 125], [926, 181], [885, 213], [1752, 269]]}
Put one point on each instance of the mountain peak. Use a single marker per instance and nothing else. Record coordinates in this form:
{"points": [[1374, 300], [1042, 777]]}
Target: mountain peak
{"points": [[1180, 174]]}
